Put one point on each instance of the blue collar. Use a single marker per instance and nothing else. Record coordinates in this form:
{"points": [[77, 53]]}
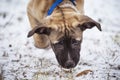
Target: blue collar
{"points": [[55, 4]]}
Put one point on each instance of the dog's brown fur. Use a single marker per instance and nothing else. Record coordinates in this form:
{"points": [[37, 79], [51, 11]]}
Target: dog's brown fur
{"points": [[37, 10]]}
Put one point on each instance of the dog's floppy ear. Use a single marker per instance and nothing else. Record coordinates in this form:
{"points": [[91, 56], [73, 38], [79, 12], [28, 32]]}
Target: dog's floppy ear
{"points": [[39, 30], [88, 23]]}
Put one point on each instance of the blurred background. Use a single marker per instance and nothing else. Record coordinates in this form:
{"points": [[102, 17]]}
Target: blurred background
{"points": [[20, 60]]}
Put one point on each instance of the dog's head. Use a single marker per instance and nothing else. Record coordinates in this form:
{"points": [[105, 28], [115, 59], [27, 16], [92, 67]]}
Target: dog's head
{"points": [[66, 38]]}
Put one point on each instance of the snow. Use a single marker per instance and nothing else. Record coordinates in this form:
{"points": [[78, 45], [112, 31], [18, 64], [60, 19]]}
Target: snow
{"points": [[20, 60]]}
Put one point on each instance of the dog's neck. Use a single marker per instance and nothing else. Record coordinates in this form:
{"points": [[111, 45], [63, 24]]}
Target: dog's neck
{"points": [[67, 6]]}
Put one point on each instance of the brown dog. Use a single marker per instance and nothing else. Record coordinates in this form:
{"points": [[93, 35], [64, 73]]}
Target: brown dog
{"points": [[63, 29]]}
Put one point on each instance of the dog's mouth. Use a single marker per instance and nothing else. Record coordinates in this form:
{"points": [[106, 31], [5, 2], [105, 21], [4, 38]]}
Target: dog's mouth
{"points": [[68, 64]]}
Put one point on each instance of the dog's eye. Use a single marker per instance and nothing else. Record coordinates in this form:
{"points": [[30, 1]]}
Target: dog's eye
{"points": [[59, 45], [73, 41], [61, 42]]}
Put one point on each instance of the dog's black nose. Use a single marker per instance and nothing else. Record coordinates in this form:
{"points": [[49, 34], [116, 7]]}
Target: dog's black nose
{"points": [[69, 64]]}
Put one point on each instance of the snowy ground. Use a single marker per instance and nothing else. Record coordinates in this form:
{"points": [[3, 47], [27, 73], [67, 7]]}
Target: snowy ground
{"points": [[20, 60]]}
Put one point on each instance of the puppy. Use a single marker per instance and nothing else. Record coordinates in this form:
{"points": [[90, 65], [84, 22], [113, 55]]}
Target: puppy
{"points": [[62, 29]]}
